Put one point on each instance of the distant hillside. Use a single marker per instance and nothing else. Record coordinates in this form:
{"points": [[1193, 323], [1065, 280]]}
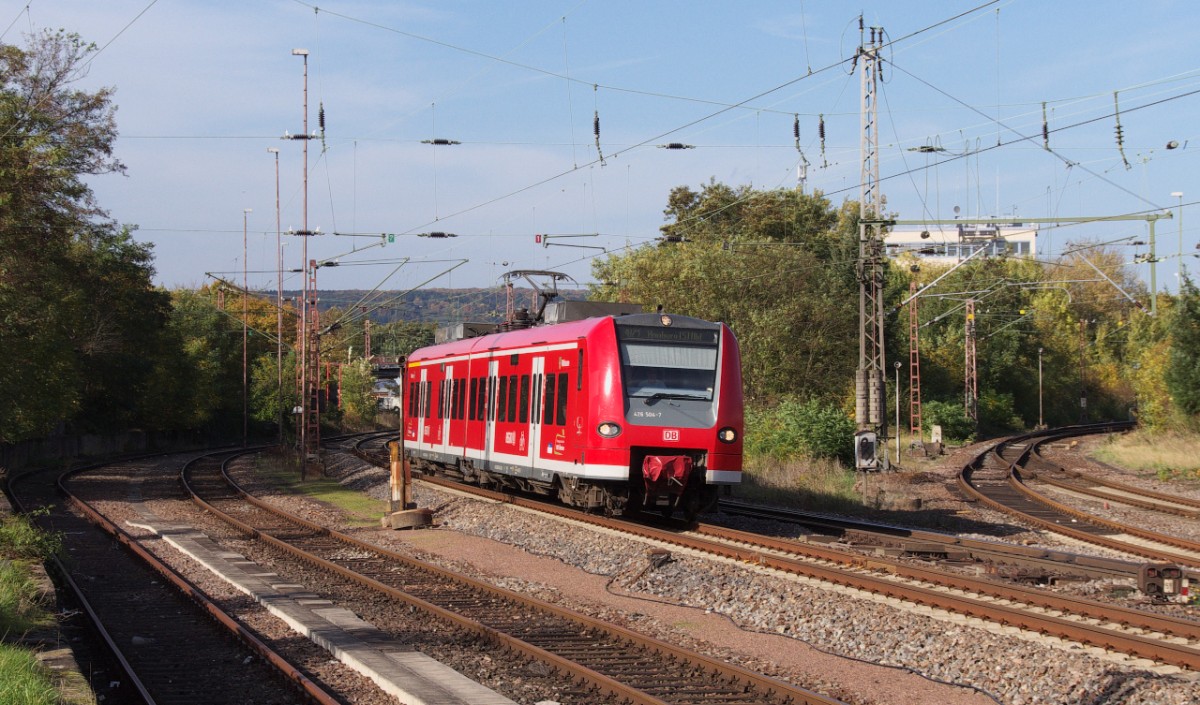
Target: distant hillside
{"points": [[432, 305]]}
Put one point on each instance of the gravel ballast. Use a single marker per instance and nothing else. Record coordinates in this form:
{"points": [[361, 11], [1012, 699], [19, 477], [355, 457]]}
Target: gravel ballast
{"points": [[987, 663]]}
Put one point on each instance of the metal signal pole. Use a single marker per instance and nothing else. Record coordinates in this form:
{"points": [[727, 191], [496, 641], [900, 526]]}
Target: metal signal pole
{"points": [[310, 423], [278, 304], [971, 385], [870, 399], [245, 337], [914, 366]]}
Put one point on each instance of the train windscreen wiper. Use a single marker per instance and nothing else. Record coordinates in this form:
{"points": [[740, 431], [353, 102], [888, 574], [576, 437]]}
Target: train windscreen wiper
{"points": [[674, 395]]}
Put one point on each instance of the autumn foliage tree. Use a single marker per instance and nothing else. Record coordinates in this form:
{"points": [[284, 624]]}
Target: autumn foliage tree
{"points": [[79, 310]]}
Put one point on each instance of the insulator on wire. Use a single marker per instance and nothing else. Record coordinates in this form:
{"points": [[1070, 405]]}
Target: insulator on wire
{"points": [[796, 129], [1045, 128], [821, 134], [321, 123], [1120, 132], [596, 131]]}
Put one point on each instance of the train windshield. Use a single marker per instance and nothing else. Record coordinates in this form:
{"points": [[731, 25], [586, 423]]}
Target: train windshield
{"points": [[659, 363]]}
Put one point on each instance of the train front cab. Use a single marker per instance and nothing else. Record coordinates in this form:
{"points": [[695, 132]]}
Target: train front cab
{"points": [[680, 410]]}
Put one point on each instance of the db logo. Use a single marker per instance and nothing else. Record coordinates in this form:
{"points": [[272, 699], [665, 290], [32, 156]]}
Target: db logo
{"points": [[670, 435]]}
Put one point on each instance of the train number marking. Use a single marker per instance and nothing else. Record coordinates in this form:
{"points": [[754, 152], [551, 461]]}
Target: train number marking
{"points": [[670, 435]]}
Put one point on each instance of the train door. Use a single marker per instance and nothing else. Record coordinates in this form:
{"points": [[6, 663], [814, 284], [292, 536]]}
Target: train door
{"points": [[423, 411], [489, 440], [533, 403], [448, 407]]}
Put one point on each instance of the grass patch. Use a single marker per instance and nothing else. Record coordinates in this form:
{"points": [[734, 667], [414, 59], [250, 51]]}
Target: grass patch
{"points": [[23, 681], [21, 543], [360, 509], [21, 539], [19, 609], [819, 485], [1171, 455]]}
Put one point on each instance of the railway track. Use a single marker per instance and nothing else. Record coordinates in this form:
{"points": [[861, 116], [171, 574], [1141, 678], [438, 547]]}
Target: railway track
{"points": [[609, 659], [1141, 634], [170, 643], [1023, 564], [1037, 467], [996, 478]]}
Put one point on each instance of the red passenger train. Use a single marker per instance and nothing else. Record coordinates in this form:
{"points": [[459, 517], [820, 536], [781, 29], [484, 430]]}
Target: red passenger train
{"points": [[626, 412]]}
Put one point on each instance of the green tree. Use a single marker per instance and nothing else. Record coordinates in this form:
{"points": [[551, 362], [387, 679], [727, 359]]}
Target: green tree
{"points": [[358, 406], [1183, 368], [60, 319], [777, 266]]}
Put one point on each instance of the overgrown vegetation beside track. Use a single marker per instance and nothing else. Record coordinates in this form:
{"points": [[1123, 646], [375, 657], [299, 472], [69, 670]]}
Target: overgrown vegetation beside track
{"points": [[360, 509], [1169, 454], [23, 681], [817, 484]]}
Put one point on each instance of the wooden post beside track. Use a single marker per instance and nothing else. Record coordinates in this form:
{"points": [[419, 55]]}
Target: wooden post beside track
{"points": [[401, 512]]}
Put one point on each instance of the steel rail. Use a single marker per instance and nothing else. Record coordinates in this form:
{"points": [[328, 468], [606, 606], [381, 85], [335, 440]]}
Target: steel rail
{"points": [[93, 616], [1141, 497], [986, 551], [1013, 479], [1175, 654], [604, 683], [289, 672]]}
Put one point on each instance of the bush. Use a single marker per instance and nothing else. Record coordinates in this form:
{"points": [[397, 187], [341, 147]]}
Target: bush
{"points": [[996, 413], [953, 419], [809, 428]]}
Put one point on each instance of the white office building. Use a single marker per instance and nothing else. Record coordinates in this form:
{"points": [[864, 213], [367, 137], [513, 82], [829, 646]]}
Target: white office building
{"points": [[947, 245]]}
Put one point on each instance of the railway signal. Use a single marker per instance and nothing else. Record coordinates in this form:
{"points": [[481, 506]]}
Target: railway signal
{"points": [[1160, 580]]}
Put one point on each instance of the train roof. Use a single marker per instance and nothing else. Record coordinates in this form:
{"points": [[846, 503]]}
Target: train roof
{"points": [[558, 332]]}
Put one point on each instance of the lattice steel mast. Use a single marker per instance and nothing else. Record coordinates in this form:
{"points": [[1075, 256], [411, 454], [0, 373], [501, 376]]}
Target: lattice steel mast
{"points": [[870, 392]]}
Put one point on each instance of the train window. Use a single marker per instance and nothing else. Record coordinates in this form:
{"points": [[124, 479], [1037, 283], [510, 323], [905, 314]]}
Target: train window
{"points": [[462, 398], [481, 414], [412, 399], [524, 400], [579, 373], [472, 398], [560, 409], [456, 400], [548, 417], [512, 359], [441, 399], [501, 415], [512, 397]]}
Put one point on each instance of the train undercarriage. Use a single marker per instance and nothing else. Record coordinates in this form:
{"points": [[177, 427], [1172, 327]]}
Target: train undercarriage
{"points": [[681, 488]]}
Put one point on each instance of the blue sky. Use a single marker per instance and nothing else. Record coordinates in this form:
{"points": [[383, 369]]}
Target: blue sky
{"points": [[203, 89]]}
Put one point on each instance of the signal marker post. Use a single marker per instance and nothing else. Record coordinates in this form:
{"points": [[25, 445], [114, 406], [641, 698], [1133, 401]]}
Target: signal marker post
{"points": [[401, 513]]}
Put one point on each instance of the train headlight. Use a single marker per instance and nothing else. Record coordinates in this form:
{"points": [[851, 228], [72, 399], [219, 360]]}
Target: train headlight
{"points": [[608, 429], [727, 435]]}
